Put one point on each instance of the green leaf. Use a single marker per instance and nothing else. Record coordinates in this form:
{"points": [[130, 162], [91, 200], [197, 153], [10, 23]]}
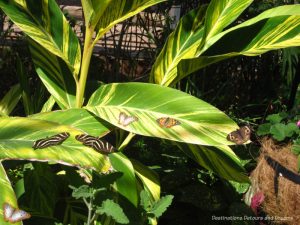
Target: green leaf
{"points": [[201, 123], [93, 10], [24, 85], [149, 179], [84, 191], [161, 205], [291, 129], [221, 13], [240, 188], [182, 43], [264, 129], [10, 100], [127, 184], [7, 195], [80, 119], [221, 160], [274, 118], [44, 22], [40, 189], [278, 131], [110, 208], [115, 11], [273, 29], [47, 107], [145, 201], [55, 75], [296, 147], [18, 134]]}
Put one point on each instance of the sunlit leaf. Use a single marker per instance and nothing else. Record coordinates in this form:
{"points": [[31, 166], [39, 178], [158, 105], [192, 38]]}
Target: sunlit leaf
{"points": [[200, 122]]}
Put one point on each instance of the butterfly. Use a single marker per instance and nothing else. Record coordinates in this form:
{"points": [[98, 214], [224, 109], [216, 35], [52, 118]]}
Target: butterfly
{"points": [[95, 143], [240, 136], [14, 215], [50, 141], [167, 122], [125, 120]]}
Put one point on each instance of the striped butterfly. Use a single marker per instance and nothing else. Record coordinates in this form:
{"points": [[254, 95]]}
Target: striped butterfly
{"points": [[50, 141], [125, 120], [14, 215], [167, 122], [95, 143]]}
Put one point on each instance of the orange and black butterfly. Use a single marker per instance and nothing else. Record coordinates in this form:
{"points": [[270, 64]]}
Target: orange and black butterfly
{"points": [[167, 122]]}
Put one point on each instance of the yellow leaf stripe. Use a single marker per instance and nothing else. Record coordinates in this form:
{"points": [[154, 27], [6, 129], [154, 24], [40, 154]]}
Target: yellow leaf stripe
{"points": [[44, 22]]}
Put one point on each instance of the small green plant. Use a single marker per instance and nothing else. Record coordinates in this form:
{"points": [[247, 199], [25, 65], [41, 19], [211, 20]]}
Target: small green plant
{"points": [[283, 127], [89, 195], [154, 209]]}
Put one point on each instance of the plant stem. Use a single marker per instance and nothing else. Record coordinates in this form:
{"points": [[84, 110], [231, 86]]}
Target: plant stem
{"points": [[85, 63], [126, 141], [90, 208]]}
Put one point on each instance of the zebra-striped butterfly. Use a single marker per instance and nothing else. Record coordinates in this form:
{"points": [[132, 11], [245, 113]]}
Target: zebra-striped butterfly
{"points": [[95, 143], [50, 141], [167, 122], [14, 215], [125, 120]]}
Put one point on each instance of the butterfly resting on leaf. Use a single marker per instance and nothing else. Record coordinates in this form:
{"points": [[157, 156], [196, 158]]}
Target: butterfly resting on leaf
{"points": [[13, 215]]}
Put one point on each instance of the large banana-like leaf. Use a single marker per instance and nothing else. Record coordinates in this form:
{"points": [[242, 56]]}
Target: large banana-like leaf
{"points": [[181, 44], [273, 29], [221, 13], [55, 75], [18, 134], [10, 100], [115, 11], [44, 22], [221, 160], [149, 179], [7, 195], [93, 10], [79, 119], [127, 184], [201, 123]]}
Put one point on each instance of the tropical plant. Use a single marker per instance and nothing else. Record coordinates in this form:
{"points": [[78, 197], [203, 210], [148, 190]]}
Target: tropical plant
{"points": [[200, 129]]}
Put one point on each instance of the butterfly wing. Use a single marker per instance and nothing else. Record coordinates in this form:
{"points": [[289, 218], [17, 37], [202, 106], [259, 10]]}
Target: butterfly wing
{"points": [[126, 120], [122, 118], [245, 132], [167, 122], [7, 211], [19, 215], [240, 136]]}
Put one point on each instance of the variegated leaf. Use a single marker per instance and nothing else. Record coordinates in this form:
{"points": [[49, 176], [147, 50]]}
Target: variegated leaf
{"points": [[117, 11], [219, 14], [200, 122], [44, 22], [220, 159], [125, 185], [273, 29], [17, 136], [79, 119], [181, 44], [10, 100], [7, 195], [55, 75]]}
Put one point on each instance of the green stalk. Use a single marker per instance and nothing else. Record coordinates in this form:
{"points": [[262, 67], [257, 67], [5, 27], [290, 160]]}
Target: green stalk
{"points": [[85, 63], [126, 141]]}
